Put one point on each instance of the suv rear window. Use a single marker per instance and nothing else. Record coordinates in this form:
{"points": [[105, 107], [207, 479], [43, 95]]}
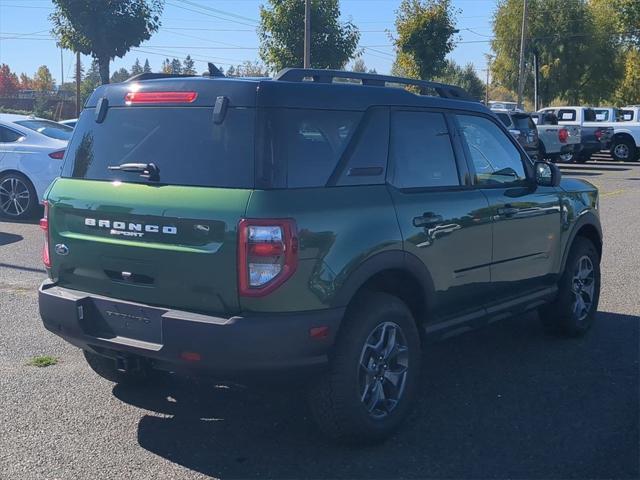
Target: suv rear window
{"points": [[184, 142], [48, 128], [523, 122]]}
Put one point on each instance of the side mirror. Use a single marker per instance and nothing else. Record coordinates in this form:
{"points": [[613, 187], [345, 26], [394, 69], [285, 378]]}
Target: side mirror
{"points": [[547, 174]]}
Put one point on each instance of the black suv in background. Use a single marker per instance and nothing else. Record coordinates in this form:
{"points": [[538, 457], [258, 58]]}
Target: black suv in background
{"points": [[254, 227], [523, 128]]}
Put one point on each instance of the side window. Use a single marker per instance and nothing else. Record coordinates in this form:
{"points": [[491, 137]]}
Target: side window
{"points": [[495, 159], [420, 151], [566, 115], [9, 136], [310, 142]]}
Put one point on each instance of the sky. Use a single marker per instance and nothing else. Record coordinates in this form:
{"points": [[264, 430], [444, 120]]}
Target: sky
{"points": [[224, 32]]}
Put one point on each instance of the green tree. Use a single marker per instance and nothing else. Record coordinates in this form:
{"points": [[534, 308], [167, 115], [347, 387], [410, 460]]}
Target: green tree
{"points": [[231, 71], [136, 68], [251, 69], [104, 29], [577, 56], [188, 66], [166, 66], [359, 66], [90, 81], [628, 91], [9, 83], [426, 35], [146, 68], [176, 66], [464, 77], [120, 75], [43, 80], [281, 35]]}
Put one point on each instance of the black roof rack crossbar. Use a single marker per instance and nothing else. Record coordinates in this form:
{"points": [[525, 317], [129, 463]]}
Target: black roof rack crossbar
{"points": [[370, 79], [153, 76]]}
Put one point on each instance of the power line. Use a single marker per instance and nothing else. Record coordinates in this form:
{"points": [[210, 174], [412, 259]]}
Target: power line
{"points": [[217, 10], [210, 14]]}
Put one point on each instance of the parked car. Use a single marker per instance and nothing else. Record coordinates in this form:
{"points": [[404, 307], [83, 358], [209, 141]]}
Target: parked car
{"points": [[523, 128], [321, 229], [70, 123], [557, 142], [31, 151], [594, 136]]}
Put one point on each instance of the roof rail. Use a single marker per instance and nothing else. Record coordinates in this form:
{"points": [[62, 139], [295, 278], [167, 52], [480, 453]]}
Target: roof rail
{"points": [[371, 79], [153, 76]]}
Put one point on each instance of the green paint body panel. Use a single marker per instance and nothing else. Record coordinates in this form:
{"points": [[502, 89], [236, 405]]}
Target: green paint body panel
{"points": [[195, 269], [472, 257]]}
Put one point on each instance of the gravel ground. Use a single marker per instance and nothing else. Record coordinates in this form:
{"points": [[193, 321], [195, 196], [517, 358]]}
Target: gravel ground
{"points": [[506, 401]]}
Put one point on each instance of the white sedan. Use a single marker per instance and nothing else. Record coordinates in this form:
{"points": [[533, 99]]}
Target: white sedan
{"points": [[31, 152]]}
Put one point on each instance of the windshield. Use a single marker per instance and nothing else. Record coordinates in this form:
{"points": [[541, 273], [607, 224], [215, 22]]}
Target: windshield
{"points": [[184, 143], [48, 128]]}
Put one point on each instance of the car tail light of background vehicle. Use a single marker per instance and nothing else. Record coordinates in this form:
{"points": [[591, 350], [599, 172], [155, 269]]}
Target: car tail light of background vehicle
{"points": [[160, 97], [563, 135], [267, 255], [57, 155], [599, 134], [44, 225]]}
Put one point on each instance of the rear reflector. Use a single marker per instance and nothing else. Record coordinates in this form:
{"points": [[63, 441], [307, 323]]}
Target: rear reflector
{"points": [[44, 225], [160, 97], [57, 155], [191, 356]]}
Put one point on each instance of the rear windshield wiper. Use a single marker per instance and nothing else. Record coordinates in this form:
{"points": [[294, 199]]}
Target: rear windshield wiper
{"points": [[147, 170]]}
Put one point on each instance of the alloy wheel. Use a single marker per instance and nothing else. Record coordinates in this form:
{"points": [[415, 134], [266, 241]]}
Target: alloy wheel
{"points": [[583, 288], [14, 197], [621, 150], [382, 372]]}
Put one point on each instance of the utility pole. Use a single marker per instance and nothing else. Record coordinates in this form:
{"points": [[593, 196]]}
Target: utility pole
{"points": [[78, 73], [486, 93], [61, 69], [523, 39], [536, 79], [307, 33]]}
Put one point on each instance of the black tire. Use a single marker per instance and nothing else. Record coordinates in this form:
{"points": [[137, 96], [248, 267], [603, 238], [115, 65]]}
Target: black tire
{"points": [[336, 400], [561, 316], [106, 368], [22, 205], [581, 158], [623, 149]]}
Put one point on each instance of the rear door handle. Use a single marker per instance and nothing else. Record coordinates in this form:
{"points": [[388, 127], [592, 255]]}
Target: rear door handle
{"points": [[507, 211], [427, 220]]}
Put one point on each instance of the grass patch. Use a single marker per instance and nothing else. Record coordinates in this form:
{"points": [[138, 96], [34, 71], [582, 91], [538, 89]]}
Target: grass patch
{"points": [[42, 361]]}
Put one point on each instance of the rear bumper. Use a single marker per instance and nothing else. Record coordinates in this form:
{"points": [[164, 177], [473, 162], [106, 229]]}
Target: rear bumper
{"points": [[187, 342]]}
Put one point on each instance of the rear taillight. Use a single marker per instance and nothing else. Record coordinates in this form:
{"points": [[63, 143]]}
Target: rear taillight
{"points": [[44, 225], [57, 155], [160, 97], [267, 255], [563, 135]]}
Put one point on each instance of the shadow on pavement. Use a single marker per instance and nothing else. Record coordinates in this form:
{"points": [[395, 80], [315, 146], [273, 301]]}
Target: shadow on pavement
{"points": [[9, 238], [502, 402]]}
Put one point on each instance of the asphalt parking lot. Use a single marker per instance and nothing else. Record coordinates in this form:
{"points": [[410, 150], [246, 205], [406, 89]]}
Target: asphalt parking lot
{"points": [[507, 401]]}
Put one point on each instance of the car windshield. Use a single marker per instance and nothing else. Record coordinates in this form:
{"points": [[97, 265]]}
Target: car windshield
{"points": [[48, 128]]}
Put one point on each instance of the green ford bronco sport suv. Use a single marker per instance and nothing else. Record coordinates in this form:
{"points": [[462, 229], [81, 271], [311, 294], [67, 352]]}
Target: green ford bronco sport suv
{"points": [[321, 223]]}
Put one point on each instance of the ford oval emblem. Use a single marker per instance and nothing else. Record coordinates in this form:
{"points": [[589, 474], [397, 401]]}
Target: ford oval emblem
{"points": [[62, 249]]}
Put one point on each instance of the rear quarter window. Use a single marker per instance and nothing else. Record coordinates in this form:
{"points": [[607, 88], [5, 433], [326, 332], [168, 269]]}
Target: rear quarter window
{"points": [[48, 128], [303, 146]]}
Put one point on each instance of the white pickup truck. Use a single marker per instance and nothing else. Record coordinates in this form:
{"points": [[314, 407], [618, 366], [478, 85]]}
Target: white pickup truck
{"points": [[557, 142], [626, 131], [595, 136]]}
